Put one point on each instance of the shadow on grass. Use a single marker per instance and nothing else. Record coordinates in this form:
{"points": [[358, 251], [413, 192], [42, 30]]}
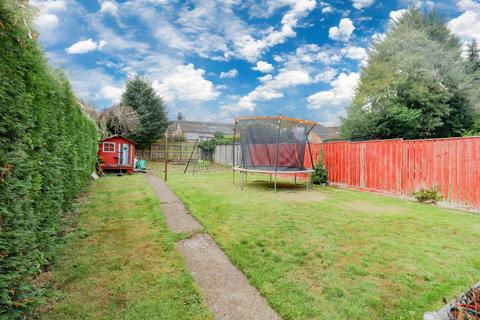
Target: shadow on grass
{"points": [[282, 186]]}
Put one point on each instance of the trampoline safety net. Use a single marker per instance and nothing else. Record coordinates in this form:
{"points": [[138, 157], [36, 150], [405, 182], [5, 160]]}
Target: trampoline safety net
{"points": [[274, 143]]}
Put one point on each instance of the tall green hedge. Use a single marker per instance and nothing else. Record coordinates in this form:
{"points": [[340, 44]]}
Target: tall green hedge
{"points": [[47, 152]]}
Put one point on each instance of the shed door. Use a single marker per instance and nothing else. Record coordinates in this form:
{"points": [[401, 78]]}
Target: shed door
{"points": [[125, 154]]}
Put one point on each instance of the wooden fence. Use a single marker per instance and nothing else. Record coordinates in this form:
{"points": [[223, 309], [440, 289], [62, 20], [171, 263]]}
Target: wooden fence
{"points": [[177, 151], [452, 166], [223, 154], [180, 152]]}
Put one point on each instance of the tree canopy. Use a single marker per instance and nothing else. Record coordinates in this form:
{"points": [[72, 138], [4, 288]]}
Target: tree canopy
{"points": [[140, 95], [416, 84]]}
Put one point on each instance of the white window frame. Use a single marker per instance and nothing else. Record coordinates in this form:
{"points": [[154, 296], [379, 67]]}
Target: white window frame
{"points": [[103, 147]]}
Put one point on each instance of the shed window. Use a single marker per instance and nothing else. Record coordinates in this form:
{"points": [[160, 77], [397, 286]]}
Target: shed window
{"points": [[108, 147]]}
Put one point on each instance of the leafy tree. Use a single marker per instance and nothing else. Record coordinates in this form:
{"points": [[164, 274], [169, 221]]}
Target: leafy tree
{"points": [[140, 95], [473, 56], [415, 85], [473, 66]]}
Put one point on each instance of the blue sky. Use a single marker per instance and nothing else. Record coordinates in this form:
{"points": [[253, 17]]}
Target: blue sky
{"points": [[215, 60]]}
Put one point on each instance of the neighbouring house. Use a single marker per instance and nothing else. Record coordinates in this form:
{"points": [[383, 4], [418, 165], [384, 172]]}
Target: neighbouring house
{"points": [[192, 130], [321, 133], [116, 153]]}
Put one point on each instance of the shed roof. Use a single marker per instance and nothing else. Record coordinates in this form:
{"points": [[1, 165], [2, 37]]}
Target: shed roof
{"points": [[117, 136]]}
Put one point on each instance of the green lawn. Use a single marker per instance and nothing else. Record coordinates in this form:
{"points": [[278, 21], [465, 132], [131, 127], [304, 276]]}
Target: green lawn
{"points": [[120, 262], [332, 253]]}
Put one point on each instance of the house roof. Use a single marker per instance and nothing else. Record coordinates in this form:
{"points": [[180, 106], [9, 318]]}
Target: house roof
{"points": [[203, 127], [277, 118], [117, 136], [325, 132]]}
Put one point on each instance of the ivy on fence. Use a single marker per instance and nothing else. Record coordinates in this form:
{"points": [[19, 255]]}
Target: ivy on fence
{"points": [[47, 151]]}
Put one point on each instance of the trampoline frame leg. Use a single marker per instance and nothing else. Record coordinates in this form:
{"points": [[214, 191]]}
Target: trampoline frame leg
{"points": [[241, 180], [275, 183]]}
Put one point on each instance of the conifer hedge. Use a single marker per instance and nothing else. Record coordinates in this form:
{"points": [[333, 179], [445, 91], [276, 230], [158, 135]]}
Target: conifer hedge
{"points": [[47, 152]]}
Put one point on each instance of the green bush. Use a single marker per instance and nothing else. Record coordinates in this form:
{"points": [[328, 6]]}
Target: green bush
{"points": [[47, 151], [427, 196], [320, 176], [208, 146]]}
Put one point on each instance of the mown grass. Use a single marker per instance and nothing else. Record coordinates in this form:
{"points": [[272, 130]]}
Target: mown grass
{"points": [[332, 253], [120, 262]]}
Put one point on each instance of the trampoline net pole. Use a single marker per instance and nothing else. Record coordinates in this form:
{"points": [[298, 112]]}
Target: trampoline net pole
{"points": [[233, 152], [310, 152], [276, 152]]}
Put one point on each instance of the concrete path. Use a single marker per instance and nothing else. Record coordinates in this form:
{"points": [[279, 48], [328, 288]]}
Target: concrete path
{"points": [[178, 219], [226, 290]]}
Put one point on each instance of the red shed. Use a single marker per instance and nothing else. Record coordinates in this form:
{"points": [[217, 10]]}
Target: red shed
{"points": [[117, 153]]}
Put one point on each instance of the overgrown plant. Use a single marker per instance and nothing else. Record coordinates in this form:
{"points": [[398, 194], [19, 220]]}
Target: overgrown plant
{"points": [[208, 146], [121, 119], [427, 196], [320, 175], [47, 151]]}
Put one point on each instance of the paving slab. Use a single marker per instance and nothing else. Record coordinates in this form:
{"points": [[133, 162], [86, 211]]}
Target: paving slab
{"points": [[226, 290], [178, 219]]}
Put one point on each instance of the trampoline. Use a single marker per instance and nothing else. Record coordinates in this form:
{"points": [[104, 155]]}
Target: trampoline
{"points": [[273, 145]]}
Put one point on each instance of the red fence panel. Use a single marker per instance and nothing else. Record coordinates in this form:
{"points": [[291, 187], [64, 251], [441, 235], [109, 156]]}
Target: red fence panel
{"points": [[452, 166]]}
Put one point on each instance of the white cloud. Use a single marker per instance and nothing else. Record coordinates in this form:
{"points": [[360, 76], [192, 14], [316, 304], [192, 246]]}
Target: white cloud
{"points": [[360, 4], [467, 25], [266, 77], [185, 84], [47, 18], [210, 27], [298, 9], [110, 93], [340, 94], [49, 5], [248, 48], [85, 46], [232, 73], [47, 21], [378, 37], [397, 14], [271, 86], [327, 9], [109, 7], [94, 85], [356, 53], [465, 5], [325, 76], [343, 31], [263, 66]]}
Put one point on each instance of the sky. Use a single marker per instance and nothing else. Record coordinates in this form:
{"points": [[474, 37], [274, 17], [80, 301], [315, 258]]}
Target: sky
{"points": [[216, 60]]}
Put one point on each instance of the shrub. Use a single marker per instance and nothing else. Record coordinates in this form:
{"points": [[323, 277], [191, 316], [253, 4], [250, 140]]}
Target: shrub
{"points": [[320, 176], [427, 196], [208, 146], [47, 152]]}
